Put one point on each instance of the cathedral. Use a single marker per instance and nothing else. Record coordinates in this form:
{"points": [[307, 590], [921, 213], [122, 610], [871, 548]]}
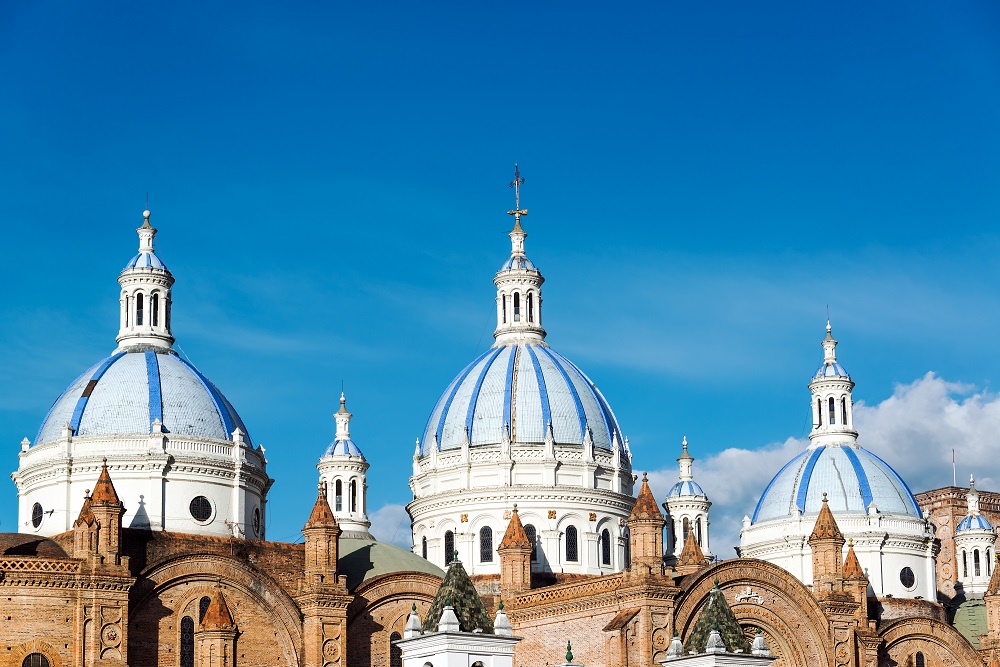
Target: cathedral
{"points": [[142, 503]]}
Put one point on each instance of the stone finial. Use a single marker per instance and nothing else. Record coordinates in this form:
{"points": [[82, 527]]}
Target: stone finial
{"points": [[676, 648], [715, 643], [501, 624], [414, 628], [759, 646], [569, 651], [449, 621]]}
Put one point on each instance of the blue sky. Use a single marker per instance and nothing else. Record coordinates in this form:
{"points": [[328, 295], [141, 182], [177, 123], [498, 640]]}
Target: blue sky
{"points": [[330, 182]]}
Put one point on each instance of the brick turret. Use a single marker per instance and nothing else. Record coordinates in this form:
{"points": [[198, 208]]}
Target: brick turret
{"points": [[645, 525], [692, 558], [515, 558], [827, 544], [108, 511], [217, 636], [321, 532]]}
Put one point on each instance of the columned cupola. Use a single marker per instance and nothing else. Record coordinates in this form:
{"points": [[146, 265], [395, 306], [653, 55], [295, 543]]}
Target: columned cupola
{"points": [[343, 469], [145, 296], [687, 508], [975, 540], [519, 286], [832, 405]]}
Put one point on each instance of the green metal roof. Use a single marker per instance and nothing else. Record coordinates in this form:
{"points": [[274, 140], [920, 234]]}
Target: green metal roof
{"points": [[717, 614], [970, 620], [361, 560]]}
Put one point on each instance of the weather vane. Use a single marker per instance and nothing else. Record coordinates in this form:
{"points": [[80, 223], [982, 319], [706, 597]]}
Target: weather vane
{"points": [[516, 184]]}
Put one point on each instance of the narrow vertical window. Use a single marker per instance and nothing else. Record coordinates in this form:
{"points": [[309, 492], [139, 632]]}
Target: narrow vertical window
{"points": [[449, 547], [628, 548], [531, 307], [127, 300], [918, 660], [697, 532], [154, 307], [989, 561], [138, 309], [504, 309], [529, 530], [395, 653], [843, 411], [833, 415], [187, 642], [687, 529], [203, 607], [517, 307], [975, 563], [572, 544], [486, 544], [338, 496], [166, 313], [354, 495], [605, 547], [819, 412], [423, 547], [965, 564]]}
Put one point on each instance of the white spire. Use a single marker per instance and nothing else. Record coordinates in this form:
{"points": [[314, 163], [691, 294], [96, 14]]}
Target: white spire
{"points": [[832, 402], [972, 497], [519, 285], [685, 462], [343, 418], [144, 318]]}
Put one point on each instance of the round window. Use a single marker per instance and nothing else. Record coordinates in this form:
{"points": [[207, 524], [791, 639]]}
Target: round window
{"points": [[201, 508], [907, 578], [256, 521], [36, 515]]}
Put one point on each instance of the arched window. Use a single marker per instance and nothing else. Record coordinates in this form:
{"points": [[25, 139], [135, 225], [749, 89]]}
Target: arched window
{"points": [[965, 564], [35, 660], [989, 561], [697, 532], [843, 410], [187, 642], [833, 412], [572, 545], [338, 494], [686, 530], [423, 547], [517, 307], [918, 660], [154, 307], [203, 607], [529, 530], [395, 653], [138, 309], [449, 547], [531, 307], [485, 544], [126, 310], [605, 547], [354, 495], [975, 563], [819, 412], [504, 308], [166, 313], [628, 548]]}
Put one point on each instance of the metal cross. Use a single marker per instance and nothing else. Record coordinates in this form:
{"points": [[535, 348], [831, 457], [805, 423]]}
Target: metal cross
{"points": [[516, 184]]}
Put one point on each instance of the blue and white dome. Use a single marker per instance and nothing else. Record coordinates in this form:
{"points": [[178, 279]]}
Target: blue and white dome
{"points": [[518, 262], [343, 447], [852, 477], [126, 392], [974, 522], [524, 387], [831, 369], [686, 488], [145, 260]]}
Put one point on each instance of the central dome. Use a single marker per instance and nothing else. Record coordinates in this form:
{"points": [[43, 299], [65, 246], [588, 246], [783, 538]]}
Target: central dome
{"points": [[516, 391]]}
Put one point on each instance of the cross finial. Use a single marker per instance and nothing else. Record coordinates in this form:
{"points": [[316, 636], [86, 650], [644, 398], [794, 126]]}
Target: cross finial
{"points": [[516, 184]]}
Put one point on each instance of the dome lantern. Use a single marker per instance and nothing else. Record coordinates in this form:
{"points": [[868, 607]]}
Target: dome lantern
{"points": [[144, 319], [343, 470], [832, 402]]}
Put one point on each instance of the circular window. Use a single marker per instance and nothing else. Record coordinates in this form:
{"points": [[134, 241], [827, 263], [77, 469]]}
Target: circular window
{"points": [[907, 578], [201, 508], [36, 515], [256, 521]]}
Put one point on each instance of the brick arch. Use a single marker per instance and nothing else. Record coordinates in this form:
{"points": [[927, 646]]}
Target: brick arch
{"points": [[940, 643], [21, 651], [380, 606], [789, 617], [202, 572]]}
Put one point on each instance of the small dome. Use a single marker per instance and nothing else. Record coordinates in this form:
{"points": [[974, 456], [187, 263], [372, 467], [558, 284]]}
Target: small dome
{"points": [[145, 260], [687, 488], [124, 393], [518, 262], [974, 522], [523, 387], [852, 477], [831, 369], [344, 447]]}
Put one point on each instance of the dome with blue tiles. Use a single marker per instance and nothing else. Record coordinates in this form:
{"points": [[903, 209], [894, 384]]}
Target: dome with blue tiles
{"points": [[518, 391], [976, 522], [685, 488], [342, 444], [832, 369], [126, 392], [851, 477], [518, 263]]}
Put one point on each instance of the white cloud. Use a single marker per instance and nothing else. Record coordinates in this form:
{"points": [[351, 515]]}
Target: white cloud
{"points": [[914, 430], [391, 524]]}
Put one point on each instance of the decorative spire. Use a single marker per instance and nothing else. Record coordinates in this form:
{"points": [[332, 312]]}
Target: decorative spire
{"points": [[972, 497], [692, 558], [145, 295], [569, 652], [832, 402], [645, 505], [104, 491], [343, 418], [519, 297], [826, 527], [322, 515], [515, 537], [217, 615], [852, 568], [685, 461]]}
